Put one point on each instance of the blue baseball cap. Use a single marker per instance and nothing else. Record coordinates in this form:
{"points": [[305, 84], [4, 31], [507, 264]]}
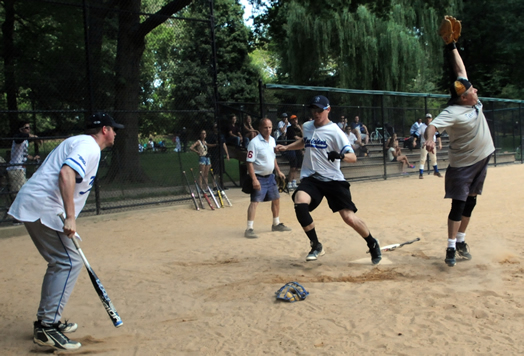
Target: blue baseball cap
{"points": [[319, 101]]}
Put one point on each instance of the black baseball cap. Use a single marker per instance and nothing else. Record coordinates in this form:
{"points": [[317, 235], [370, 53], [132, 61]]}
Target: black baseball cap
{"points": [[101, 119], [319, 101], [459, 87]]}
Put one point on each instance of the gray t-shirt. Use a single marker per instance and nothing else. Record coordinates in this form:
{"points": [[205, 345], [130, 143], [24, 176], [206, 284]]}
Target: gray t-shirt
{"points": [[469, 136]]}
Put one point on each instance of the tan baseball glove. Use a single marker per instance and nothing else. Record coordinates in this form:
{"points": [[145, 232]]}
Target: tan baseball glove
{"points": [[450, 29]]}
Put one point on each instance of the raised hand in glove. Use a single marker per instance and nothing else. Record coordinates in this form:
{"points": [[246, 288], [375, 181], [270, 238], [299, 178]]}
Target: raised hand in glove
{"points": [[450, 29], [333, 155]]}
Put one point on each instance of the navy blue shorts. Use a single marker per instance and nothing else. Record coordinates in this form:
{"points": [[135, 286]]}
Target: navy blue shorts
{"points": [[268, 189], [464, 181], [336, 192]]}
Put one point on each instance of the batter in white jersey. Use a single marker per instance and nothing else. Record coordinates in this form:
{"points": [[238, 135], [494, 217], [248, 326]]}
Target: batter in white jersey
{"points": [[61, 185], [326, 145]]}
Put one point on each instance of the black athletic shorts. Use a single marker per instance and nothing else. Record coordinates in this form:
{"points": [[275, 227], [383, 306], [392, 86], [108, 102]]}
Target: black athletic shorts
{"points": [[336, 192]]}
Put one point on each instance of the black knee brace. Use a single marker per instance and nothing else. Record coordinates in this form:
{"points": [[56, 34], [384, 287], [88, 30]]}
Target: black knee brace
{"points": [[470, 204], [457, 207], [303, 215]]}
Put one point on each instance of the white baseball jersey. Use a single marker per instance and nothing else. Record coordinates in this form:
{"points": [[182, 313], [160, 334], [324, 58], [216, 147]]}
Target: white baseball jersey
{"points": [[421, 131], [318, 142], [262, 154], [40, 197], [469, 136]]}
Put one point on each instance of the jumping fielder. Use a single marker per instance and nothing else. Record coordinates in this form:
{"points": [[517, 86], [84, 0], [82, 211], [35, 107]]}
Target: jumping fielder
{"points": [[326, 145], [423, 152], [61, 184], [470, 147]]}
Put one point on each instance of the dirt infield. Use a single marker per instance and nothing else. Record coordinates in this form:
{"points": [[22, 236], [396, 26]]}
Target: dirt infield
{"points": [[187, 282]]}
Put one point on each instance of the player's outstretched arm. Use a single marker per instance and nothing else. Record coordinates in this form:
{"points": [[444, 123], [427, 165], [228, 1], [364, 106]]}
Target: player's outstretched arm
{"points": [[297, 145]]}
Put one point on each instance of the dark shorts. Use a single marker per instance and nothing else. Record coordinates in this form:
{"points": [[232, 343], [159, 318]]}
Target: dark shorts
{"points": [[294, 157], [268, 189], [464, 181], [336, 192]]}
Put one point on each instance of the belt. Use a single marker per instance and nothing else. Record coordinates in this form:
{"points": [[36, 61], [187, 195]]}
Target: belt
{"points": [[261, 176]]}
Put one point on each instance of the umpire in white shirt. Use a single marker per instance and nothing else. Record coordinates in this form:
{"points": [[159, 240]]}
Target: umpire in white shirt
{"points": [[61, 185], [261, 162]]}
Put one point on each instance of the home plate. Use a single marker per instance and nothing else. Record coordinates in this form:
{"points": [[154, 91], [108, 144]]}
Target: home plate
{"points": [[367, 261]]}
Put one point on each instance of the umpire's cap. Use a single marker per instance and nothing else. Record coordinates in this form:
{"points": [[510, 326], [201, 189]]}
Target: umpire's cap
{"points": [[101, 119]]}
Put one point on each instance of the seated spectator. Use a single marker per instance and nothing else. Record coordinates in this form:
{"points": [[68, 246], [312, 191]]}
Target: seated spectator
{"points": [[249, 132], [360, 149], [360, 130], [283, 124], [414, 132], [395, 155], [233, 136]]}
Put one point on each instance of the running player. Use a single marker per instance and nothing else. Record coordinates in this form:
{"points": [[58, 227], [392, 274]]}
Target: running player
{"points": [[61, 184], [326, 145]]}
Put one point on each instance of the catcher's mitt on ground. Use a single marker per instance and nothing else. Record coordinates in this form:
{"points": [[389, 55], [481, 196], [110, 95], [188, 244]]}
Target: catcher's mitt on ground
{"points": [[292, 292], [282, 184], [450, 29]]}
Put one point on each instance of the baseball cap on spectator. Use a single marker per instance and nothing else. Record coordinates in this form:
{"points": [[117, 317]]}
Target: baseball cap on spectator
{"points": [[284, 115], [101, 119], [428, 115], [319, 101], [459, 87], [292, 117]]}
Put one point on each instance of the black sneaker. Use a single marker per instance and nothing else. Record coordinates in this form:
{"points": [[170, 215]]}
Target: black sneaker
{"points": [[463, 250], [450, 257], [52, 337], [376, 254], [315, 253]]}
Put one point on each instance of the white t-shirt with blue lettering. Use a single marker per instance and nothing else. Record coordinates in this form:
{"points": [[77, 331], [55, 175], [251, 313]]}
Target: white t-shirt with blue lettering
{"points": [[318, 142], [40, 197]]}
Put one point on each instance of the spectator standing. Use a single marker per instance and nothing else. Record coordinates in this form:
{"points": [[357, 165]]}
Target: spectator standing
{"points": [[342, 123], [204, 161], [261, 162], [20, 155], [183, 138], [471, 148], [414, 132], [294, 132], [61, 185], [326, 146], [424, 153], [216, 153]]}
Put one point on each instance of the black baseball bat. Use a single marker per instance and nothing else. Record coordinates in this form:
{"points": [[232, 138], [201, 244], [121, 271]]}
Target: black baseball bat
{"points": [[190, 191], [99, 288]]}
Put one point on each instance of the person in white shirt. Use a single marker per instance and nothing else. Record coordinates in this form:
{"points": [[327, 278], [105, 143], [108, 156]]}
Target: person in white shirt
{"points": [[470, 149], [61, 185], [423, 152], [326, 146], [261, 162], [20, 155]]}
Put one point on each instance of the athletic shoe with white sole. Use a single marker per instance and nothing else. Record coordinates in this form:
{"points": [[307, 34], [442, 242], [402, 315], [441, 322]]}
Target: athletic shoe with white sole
{"points": [[450, 257], [463, 250], [250, 234], [376, 254], [280, 227], [52, 337], [67, 327], [315, 253]]}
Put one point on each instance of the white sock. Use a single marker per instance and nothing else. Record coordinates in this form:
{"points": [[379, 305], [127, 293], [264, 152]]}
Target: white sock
{"points": [[294, 182], [452, 243], [276, 221], [461, 236], [250, 224]]}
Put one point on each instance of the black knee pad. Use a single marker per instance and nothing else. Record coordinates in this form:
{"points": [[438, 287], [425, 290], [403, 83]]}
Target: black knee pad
{"points": [[457, 207], [303, 215], [470, 204]]}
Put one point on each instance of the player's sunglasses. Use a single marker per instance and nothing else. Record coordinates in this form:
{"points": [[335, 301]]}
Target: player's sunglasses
{"points": [[26, 127], [316, 110]]}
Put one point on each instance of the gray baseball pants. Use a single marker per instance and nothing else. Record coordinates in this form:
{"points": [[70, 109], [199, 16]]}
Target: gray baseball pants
{"points": [[63, 267]]}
